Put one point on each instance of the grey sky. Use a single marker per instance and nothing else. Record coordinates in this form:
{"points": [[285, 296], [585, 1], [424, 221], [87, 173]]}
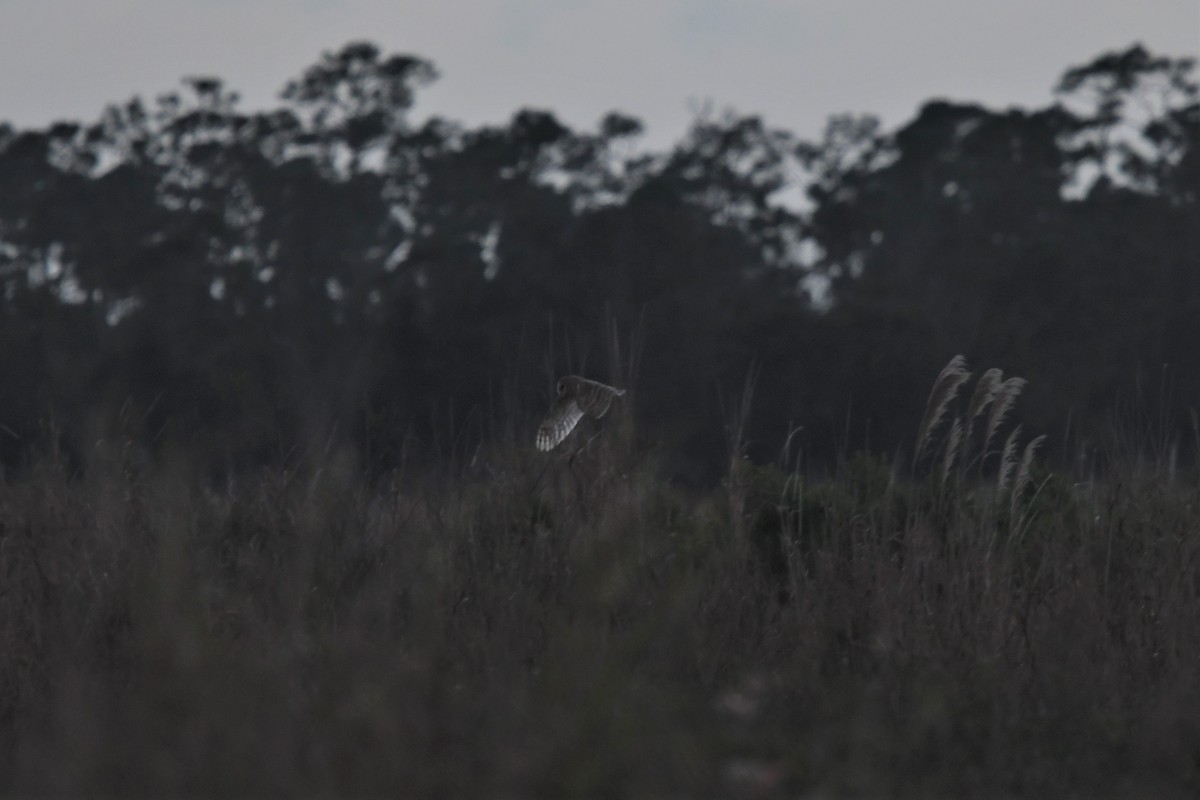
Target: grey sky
{"points": [[794, 61]]}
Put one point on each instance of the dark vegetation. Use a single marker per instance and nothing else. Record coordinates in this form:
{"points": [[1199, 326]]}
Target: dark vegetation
{"points": [[271, 520], [236, 284], [591, 629]]}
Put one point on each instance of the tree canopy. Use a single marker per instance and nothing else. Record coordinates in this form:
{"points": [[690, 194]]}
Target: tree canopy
{"points": [[237, 283]]}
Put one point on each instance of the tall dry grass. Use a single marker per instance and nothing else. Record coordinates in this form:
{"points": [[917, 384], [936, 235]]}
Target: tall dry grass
{"points": [[581, 626]]}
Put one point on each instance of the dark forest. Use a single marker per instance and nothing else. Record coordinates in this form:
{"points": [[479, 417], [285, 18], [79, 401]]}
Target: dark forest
{"points": [[237, 285]]}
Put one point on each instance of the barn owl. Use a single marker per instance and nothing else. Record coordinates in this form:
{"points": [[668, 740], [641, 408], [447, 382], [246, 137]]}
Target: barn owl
{"points": [[576, 396]]}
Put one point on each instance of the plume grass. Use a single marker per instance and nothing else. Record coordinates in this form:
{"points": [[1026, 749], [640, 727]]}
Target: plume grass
{"points": [[985, 393], [1006, 398], [1008, 461], [945, 387], [1025, 472]]}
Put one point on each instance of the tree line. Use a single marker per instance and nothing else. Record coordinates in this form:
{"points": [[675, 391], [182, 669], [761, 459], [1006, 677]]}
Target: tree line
{"points": [[238, 285]]}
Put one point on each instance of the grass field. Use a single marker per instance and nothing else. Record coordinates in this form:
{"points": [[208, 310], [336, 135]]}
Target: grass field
{"points": [[524, 625]]}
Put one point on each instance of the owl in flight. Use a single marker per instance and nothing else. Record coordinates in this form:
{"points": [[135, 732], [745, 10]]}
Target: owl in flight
{"points": [[576, 396]]}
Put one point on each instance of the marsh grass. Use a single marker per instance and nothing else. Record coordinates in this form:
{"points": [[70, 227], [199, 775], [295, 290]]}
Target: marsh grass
{"points": [[581, 626]]}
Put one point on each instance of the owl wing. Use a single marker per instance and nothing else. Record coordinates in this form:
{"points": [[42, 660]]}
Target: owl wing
{"points": [[595, 398], [561, 420]]}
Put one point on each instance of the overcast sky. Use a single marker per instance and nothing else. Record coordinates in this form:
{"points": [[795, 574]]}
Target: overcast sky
{"points": [[793, 61]]}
